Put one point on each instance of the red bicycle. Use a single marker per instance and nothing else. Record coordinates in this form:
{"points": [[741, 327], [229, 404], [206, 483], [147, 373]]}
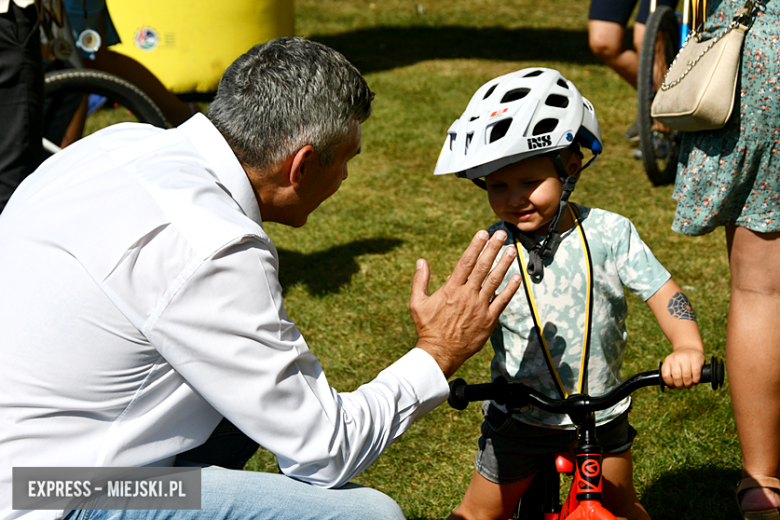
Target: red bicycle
{"points": [[585, 494]]}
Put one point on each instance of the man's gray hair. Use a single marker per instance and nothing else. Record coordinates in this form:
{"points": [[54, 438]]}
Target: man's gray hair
{"points": [[285, 94]]}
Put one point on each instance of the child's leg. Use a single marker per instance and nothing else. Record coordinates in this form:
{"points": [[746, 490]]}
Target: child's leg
{"points": [[486, 500], [619, 493]]}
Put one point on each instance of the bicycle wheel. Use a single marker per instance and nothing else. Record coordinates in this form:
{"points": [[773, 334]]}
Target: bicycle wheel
{"points": [[659, 145], [68, 91]]}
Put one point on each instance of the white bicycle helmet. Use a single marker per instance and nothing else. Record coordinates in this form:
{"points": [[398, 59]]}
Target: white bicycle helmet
{"points": [[510, 118]]}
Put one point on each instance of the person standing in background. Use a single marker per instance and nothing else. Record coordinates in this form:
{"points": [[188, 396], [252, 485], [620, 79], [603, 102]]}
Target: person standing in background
{"points": [[21, 94], [607, 20]]}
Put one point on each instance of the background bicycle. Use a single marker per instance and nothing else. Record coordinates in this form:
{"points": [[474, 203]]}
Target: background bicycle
{"points": [[79, 101], [666, 32]]}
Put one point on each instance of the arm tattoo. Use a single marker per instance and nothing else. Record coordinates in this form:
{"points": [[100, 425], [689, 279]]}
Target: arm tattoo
{"points": [[680, 307]]}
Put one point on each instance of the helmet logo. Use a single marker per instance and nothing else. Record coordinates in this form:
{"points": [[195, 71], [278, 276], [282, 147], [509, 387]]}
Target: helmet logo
{"points": [[543, 141], [498, 112]]}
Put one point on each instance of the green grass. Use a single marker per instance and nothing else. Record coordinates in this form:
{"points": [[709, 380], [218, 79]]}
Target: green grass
{"points": [[347, 273]]}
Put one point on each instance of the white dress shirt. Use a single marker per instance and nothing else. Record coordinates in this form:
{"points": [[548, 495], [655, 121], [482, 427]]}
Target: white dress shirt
{"points": [[6, 4], [140, 303]]}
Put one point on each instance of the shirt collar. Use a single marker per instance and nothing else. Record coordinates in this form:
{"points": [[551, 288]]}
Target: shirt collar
{"points": [[226, 166]]}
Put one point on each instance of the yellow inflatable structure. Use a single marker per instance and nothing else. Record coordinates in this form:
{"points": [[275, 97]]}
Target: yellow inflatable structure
{"points": [[188, 45]]}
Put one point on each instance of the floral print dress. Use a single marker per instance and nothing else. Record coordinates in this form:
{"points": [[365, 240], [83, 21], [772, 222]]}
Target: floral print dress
{"points": [[732, 175]]}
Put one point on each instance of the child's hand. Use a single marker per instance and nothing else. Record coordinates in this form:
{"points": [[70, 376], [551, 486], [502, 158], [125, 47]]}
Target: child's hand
{"points": [[682, 368]]}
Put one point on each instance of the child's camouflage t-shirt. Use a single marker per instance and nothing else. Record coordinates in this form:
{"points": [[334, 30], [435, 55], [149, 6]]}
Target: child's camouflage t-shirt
{"points": [[620, 258]]}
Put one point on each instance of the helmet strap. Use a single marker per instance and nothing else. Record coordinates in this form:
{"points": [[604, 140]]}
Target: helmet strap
{"points": [[540, 252]]}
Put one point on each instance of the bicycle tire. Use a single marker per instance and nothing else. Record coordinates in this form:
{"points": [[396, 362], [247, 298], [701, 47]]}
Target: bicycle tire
{"points": [[78, 82], [659, 149]]}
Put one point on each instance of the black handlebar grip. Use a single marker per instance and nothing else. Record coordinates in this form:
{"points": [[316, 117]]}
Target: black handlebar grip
{"points": [[456, 399], [714, 373]]}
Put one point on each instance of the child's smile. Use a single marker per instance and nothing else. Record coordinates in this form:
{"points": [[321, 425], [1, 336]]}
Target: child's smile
{"points": [[526, 194]]}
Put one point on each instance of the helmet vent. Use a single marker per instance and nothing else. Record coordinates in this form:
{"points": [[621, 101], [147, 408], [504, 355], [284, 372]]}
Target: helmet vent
{"points": [[555, 100], [499, 130], [514, 95], [473, 118], [534, 73], [452, 140], [490, 91], [563, 84], [545, 126], [469, 137]]}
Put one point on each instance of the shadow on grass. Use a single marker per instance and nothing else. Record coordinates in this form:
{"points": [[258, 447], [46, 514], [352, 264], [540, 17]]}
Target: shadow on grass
{"points": [[383, 48], [328, 271], [377, 49], [693, 494]]}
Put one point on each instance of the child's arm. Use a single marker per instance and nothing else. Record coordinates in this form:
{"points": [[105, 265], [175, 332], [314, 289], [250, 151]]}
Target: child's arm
{"points": [[674, 313]]}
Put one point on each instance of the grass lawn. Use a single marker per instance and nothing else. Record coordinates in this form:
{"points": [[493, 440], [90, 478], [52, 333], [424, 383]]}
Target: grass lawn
{"points": [[348, 272]]}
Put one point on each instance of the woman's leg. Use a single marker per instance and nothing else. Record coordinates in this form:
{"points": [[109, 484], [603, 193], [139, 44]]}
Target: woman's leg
{"points": [[486, 500], [619, 493], [753, 355]]}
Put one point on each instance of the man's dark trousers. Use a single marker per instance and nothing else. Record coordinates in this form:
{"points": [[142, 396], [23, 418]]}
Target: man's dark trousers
{"points": [[21, 97]]}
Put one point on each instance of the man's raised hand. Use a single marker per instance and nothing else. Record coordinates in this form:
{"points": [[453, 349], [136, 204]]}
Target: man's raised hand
{"points": [[454, 322]]}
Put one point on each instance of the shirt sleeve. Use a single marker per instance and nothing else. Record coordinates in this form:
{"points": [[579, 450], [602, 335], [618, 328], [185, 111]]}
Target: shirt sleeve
{"points": [[638, 268], [227, 333]]}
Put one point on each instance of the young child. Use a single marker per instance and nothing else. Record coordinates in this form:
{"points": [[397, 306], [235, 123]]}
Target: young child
{"points": [[520, 139]]}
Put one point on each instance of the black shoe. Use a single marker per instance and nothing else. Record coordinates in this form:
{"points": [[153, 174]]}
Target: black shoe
{"points": [[632, 134]]}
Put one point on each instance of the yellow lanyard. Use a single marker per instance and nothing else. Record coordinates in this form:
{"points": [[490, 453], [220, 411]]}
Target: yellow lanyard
{"points": [[588, 309]]}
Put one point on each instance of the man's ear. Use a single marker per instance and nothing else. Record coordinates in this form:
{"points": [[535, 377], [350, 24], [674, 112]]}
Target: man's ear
{"points": [[300, 165]]}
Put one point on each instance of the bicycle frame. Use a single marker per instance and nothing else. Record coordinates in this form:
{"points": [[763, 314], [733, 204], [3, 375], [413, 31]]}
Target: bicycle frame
{"points": [[586, 492]]}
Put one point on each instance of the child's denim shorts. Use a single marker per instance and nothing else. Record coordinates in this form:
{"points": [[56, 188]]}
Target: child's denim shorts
{"points": [[511, 451]]}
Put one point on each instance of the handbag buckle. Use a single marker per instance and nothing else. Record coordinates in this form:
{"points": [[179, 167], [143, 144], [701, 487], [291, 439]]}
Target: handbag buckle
{"points": [[745, 15]]}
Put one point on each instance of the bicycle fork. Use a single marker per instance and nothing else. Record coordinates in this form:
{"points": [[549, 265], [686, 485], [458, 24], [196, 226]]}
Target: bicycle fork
{"points": [[584, 499]]}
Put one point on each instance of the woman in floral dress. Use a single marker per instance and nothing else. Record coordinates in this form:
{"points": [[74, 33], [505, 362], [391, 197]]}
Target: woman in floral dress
{"points": [[731, 177]]}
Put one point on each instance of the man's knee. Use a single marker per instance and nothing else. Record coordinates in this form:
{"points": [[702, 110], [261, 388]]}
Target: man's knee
{"points": [[370, 504]]}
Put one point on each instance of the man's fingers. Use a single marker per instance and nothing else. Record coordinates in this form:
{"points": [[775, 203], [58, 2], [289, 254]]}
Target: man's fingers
{"points": [[496, 276], [487, 259], [503, 298], [468, 259], [420, 283]]}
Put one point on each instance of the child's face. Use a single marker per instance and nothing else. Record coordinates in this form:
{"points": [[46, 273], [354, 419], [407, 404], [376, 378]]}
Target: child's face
{"points": [[527, 193]]}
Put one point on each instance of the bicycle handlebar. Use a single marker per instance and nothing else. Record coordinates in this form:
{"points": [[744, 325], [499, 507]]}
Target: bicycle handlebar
{"points": [[517, 395]]}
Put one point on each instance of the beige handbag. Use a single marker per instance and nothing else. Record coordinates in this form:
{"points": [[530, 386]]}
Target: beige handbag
{"points": [[698, 90]]}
